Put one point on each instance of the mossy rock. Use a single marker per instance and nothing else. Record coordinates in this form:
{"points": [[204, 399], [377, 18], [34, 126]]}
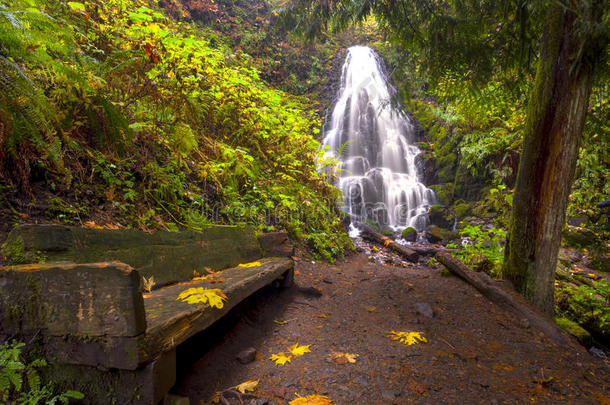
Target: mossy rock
{"points": [[440, 216], [575, 330], [436, 234], [578, 237], [601, 262], [13, 251], [444, 193], [409, 234], [462, 209]]}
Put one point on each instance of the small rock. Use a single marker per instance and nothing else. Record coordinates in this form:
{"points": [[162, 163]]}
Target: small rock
{"points": [[524, 323], [362, 380], [247, 355], [424, 309], [595, 352], [388, 394], [310, 291], [327, 280]]}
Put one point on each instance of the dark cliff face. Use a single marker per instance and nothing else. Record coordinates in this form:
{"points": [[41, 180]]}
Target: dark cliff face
{"points": [[332, 85]]}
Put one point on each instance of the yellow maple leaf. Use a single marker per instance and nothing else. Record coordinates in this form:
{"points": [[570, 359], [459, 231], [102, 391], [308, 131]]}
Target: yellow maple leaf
{"points": [[343, 358], [251, 264], [408, 338], [297, 350], [247, 386], [312, 400], [280, 358], [213, 296]]}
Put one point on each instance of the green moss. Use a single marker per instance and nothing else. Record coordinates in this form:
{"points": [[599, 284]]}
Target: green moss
{"points": [[575, 330], [578, 237], [13, 251], [409, 234], [462, 209]]}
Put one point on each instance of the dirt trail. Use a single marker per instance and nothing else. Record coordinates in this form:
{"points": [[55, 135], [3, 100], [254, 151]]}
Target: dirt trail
{"points": [[475, 353]]}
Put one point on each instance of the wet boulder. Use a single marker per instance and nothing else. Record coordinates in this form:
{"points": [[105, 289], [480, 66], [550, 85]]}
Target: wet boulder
{"points": [[409, 234], [441, 216], [436, 234]]}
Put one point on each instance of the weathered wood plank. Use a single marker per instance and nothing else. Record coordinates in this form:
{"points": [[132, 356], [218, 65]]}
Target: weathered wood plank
{"points": [[171, 322], [276, 244], [71, 299], [168, 256]]}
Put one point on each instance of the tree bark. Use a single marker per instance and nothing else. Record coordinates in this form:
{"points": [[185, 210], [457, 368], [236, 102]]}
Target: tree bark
{"points": [[555, 120]]}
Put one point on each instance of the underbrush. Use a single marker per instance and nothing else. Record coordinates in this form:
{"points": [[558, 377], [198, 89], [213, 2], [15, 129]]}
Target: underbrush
{"points": [[129, 116], [20, 381]]}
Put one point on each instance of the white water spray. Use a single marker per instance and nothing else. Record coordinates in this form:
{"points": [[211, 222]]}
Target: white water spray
{"points": [[371, 139]]}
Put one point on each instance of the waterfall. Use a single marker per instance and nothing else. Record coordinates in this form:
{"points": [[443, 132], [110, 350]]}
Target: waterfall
{"points": [[370, 138]]}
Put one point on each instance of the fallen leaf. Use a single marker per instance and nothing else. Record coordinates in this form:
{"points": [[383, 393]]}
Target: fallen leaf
{"points": [[280, 322], [386, 243], [343, 358], [251, 264], [371, 309], [503, 366], [408, 338], [92, 225], [311, 400], [213, 297], [297, 350], [322, 316], [148, 283], [247, 386], [280, 359]]}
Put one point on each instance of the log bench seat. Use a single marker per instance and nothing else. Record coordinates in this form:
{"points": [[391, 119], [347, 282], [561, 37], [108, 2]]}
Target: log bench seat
{"points": [[106, 337]]}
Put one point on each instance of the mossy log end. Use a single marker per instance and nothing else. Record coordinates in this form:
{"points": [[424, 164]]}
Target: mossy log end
{"points": [[512, 303]]}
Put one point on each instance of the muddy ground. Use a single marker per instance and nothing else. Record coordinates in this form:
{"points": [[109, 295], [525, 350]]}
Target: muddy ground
{"points": [[476, 353]]}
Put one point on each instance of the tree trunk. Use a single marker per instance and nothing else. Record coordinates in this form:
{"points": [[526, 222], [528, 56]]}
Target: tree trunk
{"points": [[555, 120]]}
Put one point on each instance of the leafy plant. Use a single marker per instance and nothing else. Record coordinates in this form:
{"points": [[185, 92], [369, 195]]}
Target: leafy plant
{"points": [[587, 305], [483, 250], [20, 381]]}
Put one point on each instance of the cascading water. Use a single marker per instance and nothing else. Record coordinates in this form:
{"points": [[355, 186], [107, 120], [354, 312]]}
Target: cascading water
{"points": [[370, 137]]}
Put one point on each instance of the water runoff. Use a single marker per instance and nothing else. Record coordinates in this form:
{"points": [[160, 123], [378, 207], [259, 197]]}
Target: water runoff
{"points": [[372, 138]]}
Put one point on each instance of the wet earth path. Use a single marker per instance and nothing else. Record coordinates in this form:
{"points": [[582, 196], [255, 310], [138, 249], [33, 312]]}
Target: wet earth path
{"points": [[475, 352]]}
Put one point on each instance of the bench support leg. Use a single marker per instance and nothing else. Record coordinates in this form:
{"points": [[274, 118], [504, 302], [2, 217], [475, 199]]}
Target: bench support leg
{"points": [[145, 386]]}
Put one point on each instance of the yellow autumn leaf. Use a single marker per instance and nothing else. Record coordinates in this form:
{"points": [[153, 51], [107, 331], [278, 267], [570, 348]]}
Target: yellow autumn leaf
{"points": [[312, 400], [247, 386], [251, 264], [408, 338], [371, 309], [280, 322], [297, 350], [280, 358], [343, 358], [213, 296]]}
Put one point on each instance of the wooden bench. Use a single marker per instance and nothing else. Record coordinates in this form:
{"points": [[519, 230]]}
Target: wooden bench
{"points": [[101, 333]]}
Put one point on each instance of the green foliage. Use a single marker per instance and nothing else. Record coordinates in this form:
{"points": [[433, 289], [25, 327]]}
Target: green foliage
{"points": [[483, 250], [157, 121], [587, 305], [20, 382]]}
